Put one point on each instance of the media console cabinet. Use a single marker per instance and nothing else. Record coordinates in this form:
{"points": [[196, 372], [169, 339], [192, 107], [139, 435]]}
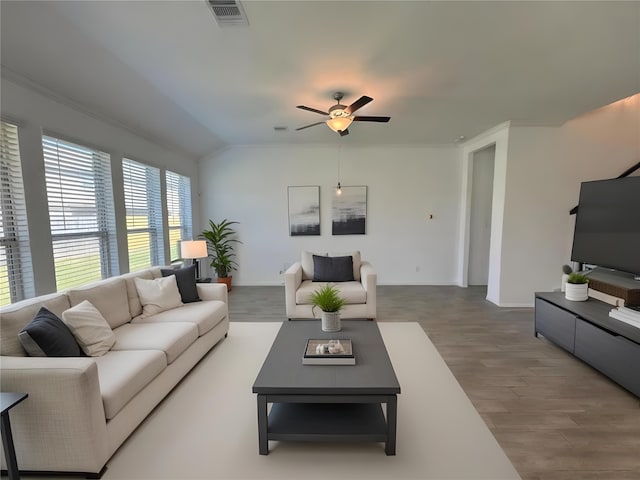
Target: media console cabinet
{"points": [[586, 330]]}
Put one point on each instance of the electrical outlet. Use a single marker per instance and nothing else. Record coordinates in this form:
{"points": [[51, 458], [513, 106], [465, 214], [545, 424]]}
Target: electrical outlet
{"points": [[417, 268]]}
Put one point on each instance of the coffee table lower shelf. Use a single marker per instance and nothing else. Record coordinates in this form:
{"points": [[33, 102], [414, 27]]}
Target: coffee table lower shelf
{"points": [[362, 421]]}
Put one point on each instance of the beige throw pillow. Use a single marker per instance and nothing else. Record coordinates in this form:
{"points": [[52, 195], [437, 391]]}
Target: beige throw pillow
{"points": [[158, 295], [91, 330]]}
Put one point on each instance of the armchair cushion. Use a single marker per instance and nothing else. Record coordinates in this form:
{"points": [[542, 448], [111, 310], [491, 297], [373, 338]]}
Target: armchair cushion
{"points": [[332, 269], [352, 292]]}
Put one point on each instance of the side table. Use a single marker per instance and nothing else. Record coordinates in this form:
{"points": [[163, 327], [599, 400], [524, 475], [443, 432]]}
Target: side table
{"points": [[8, 401]]}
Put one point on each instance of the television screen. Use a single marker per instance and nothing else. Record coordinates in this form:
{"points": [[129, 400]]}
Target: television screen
{"points": [[607, 231]]}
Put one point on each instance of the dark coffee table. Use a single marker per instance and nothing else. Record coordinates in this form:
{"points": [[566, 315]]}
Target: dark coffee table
{"points": [[327, 403]]}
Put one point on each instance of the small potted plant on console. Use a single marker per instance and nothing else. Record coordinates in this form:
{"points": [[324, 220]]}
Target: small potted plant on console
{"points": [[328, 300], [577, 287]]}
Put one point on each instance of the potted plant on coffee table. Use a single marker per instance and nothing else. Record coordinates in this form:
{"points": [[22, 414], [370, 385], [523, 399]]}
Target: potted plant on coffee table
{"points": [[577, 287], [328, 299], [220, 241]]}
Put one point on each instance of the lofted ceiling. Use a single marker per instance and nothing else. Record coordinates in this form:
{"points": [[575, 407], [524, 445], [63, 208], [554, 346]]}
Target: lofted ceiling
{"points": [[441, 70]]}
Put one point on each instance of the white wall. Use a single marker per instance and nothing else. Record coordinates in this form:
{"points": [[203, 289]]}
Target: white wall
{"points": [[537, 178], [405, 185], [35, 110], [545, 168]]}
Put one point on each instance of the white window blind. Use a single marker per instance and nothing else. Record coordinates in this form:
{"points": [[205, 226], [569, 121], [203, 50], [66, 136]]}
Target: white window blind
{"points": [[144, 214], [81, 211], [179, 211], [16, 274]]}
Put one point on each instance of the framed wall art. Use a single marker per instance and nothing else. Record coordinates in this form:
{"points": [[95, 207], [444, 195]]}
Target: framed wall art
{"points": [[304, 210], [349, 212]]}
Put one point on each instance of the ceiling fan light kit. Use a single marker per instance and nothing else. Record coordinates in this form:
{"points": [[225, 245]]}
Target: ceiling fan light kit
{"points": [[339, 124], [341, 116]]}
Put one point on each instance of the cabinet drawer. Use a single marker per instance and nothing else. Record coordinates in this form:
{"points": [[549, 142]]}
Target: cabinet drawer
{"points": [[615, 356], [555, 324]]}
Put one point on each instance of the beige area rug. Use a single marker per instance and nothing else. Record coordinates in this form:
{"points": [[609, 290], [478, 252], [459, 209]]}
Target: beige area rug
{"points": [[207, 427]]}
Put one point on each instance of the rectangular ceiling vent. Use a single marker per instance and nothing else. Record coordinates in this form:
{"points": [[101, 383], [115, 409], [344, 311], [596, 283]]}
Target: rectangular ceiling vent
{"points": [[228, 13]]}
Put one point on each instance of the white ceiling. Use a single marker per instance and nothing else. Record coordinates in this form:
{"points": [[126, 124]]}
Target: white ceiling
{"points": [[167, 71]]}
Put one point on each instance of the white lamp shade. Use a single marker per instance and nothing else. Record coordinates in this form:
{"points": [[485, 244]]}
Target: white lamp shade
{"points": [[193, 249]]}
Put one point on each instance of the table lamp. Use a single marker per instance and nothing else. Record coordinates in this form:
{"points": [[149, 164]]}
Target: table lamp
{"points": [[194, 249]]}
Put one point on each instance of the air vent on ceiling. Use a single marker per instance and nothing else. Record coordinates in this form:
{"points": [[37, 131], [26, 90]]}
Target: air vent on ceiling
{"points": [[228, 13]]}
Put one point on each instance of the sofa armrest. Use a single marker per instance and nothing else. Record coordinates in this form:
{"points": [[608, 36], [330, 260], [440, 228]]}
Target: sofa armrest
{"points": [[292, 281], [213, 291], [61, 425], [368, 277]]}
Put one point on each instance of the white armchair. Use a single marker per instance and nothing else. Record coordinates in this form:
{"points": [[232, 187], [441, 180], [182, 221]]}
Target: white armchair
{"points": [[359, 293]]}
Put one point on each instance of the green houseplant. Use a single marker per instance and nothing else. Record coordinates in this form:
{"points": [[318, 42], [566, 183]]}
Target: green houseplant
{"points": [[328, 299], [577, 287], [220, 241]]}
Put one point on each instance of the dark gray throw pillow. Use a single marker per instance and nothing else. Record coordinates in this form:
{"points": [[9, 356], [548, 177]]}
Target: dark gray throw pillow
{"points": [[47, 336], [332, 269], [186, 280]]}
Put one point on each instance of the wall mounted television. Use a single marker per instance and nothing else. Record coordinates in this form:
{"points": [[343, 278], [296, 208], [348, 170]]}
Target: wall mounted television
{"points": [[607, 229]]}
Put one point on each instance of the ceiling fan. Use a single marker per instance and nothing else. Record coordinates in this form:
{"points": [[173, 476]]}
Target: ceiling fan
{"points": [[341, 116]]}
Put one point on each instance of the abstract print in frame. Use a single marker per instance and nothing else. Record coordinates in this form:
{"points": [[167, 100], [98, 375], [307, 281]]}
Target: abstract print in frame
{"points": [[304, 210], [350, 211]]}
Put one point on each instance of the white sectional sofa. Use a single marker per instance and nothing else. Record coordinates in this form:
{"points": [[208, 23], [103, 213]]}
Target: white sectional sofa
{"points": [[81, 409]]}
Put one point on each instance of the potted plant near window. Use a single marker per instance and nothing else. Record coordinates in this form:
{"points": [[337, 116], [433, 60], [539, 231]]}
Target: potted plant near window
{"points": [[220, 239], [328, 300], [577, 287]]}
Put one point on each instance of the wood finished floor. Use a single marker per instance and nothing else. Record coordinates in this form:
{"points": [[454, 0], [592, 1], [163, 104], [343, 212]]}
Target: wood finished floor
{"points": [[554, 416]]}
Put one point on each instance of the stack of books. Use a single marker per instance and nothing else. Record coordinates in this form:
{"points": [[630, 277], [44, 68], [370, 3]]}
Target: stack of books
{"points": [[626, 315]]}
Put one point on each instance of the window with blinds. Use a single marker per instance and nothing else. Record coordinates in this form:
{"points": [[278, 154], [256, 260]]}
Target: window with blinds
{"points": [[144, 214], [81, 212], [16, 273], [179, 211]]}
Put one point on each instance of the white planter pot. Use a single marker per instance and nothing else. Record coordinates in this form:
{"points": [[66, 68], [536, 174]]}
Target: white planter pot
{"points": [[577, 292], [331, 322]]}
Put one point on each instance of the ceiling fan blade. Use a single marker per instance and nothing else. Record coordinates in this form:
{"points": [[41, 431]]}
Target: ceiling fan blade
{"points": [[343, 132], [314, 110], [371, 119], [361, 102], [307, 126]]}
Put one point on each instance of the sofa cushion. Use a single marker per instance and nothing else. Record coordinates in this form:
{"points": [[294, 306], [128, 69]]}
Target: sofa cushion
{"points": [[186, 280], [332, 269], [89, 327], [14, 317], [158, 295], [108, 296], [47, 336], [122, 374], [206, 315], [135, 307], [306, 261], [172, 338], [353, 292]]}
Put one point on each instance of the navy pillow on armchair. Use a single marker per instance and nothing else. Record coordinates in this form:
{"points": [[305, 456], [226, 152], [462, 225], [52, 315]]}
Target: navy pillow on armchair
{"points": [[332, 269]]}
